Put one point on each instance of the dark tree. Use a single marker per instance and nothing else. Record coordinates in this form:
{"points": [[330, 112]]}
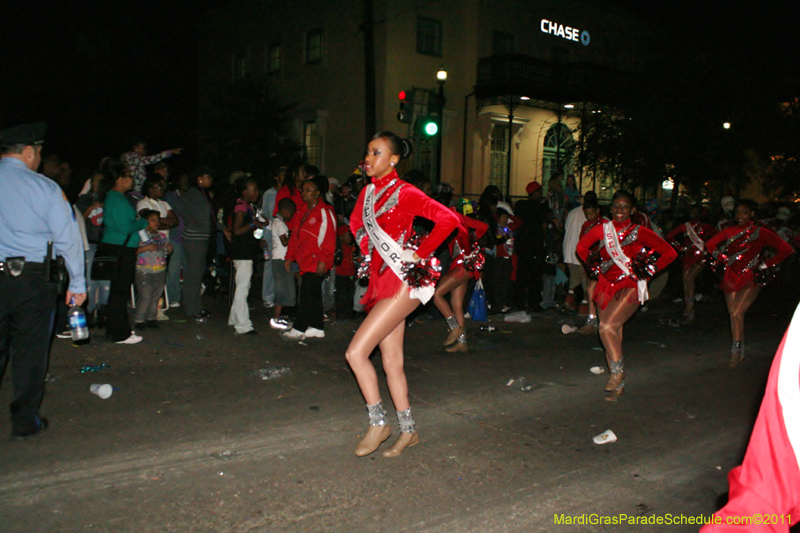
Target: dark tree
{"points": [[247, 129]]}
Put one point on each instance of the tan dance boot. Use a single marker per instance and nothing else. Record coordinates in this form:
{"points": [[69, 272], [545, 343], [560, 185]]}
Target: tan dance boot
{"points": [[460, 345], [455, 331], [614, 395], [590, 326], [405, 440], [615, 381], [375, 436]]}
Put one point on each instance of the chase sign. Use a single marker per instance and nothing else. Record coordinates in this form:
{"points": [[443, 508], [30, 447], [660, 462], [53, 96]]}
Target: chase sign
{"points": [[565, 32]]}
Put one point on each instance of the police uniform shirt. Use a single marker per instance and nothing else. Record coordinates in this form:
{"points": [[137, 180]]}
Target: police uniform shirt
{"points": [[34, 211]]}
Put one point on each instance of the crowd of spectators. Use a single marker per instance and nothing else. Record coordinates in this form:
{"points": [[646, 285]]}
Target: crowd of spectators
{"points": [[187, 236]]}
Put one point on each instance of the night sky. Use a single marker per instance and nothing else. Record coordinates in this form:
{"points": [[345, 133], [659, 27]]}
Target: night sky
{"points": [[102, 76]]}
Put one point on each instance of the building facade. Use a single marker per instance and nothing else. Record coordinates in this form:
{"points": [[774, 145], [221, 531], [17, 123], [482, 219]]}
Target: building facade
{"points": [[521, 76]]}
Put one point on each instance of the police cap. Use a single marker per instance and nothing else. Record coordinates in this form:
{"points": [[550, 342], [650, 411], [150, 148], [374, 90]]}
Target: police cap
{"points": [[26, 134]]}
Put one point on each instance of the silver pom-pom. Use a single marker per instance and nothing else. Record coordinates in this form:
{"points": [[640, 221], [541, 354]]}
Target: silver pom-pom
{"points": [[363, 267]]}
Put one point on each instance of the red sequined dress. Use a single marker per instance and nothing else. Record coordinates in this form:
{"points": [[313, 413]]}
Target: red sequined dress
{"points": [[680, 240], [463, 242], [396, 205], [741, 250], [589, 224], [635, 241]]}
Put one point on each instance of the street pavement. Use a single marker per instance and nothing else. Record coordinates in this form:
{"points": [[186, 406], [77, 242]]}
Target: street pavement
{"points": [[194, 440]]}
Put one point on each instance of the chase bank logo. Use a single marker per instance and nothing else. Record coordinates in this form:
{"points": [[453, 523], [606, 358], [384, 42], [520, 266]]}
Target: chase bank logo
{"points": [[565, 32]]}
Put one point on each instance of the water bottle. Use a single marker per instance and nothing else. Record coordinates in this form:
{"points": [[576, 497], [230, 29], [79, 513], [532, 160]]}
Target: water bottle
{"points": [[77, 323]]}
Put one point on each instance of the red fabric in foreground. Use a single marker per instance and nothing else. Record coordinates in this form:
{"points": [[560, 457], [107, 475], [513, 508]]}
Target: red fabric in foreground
{"points": [[767, 483]]}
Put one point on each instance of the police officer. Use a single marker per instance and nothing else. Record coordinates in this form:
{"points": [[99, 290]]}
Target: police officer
{"points": [[33, 213]]}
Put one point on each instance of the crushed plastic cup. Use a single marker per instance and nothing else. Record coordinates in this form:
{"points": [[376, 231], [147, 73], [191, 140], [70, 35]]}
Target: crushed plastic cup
{"points": [[517, 316], [597, 370], [520, 383], [606, 437], [566, 329], [103, 390], [273, 372]]}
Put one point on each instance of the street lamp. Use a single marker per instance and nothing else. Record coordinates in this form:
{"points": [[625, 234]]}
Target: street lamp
{"points": [[441, 78]]}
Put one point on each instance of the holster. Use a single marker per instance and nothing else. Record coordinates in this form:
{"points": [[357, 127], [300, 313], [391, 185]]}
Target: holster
{"points": [[58, 274]]}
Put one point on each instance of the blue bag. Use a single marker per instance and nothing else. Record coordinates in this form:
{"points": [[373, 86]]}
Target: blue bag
{"points": [[477, 304]]}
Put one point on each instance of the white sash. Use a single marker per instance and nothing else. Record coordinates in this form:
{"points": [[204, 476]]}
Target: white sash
{"points": [[697, 241], [390, 251], [620, 259]]}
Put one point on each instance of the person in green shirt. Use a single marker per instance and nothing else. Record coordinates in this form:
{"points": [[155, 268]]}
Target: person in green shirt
{"points": [[120, 236]]}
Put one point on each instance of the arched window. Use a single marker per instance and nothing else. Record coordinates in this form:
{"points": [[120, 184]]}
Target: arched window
{"points": [[559, 151]]}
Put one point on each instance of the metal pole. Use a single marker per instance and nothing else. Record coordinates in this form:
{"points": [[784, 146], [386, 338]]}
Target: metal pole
{"points": [[369, 73], [582, 148], [510, 131], [440, 134], [464, 146]]}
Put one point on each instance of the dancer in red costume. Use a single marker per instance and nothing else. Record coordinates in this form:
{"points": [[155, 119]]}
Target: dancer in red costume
{"points": [[467, 263], [764, 492], [689, 239], [739, 250], [382, 223], [591, 209], [625, 261]]}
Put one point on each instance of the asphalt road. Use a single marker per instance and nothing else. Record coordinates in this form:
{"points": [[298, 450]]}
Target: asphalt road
{"points": [[193, 440]]}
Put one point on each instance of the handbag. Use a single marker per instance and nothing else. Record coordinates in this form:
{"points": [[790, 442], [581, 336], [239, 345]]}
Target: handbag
{"points": [[477, 308], [107, 261]]}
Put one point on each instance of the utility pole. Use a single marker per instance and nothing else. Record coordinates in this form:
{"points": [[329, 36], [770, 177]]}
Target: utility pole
{"points": [[369, 72]]}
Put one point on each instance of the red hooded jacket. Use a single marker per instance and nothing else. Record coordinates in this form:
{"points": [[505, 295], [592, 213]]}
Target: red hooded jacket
{"points": [[313, 237]]}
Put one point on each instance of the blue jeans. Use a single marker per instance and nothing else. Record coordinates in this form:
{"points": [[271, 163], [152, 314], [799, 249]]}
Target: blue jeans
{"points": [[97, 291], [268, 283], [328, 288], [177, 261], [548, 291]]}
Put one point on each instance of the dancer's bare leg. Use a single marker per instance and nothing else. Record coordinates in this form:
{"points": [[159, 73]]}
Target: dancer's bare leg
{"points": [[449, 283], [457, 299], [591, 321], [738, 303], [455, 284], [392, 358], [382, 320], [612, 319], [590, 291], [689, 278]]}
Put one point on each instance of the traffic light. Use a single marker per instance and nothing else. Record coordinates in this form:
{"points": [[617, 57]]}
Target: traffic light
{"points": [[430, 125], [406, 112]]}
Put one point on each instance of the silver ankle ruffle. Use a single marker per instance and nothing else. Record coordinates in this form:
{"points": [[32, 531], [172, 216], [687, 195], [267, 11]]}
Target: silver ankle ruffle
{"points": [[406, 421], [377, 414], [452, 323]]}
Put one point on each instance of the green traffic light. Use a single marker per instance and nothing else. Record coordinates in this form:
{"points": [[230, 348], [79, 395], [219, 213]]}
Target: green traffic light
{"points": [[431, 128]]}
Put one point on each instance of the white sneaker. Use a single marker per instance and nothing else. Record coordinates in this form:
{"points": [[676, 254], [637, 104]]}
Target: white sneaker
{"points": [[174, 304], [133, 339], [66, 334], [279, 323], [294, 335], [161, 316], [314, 332]]}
